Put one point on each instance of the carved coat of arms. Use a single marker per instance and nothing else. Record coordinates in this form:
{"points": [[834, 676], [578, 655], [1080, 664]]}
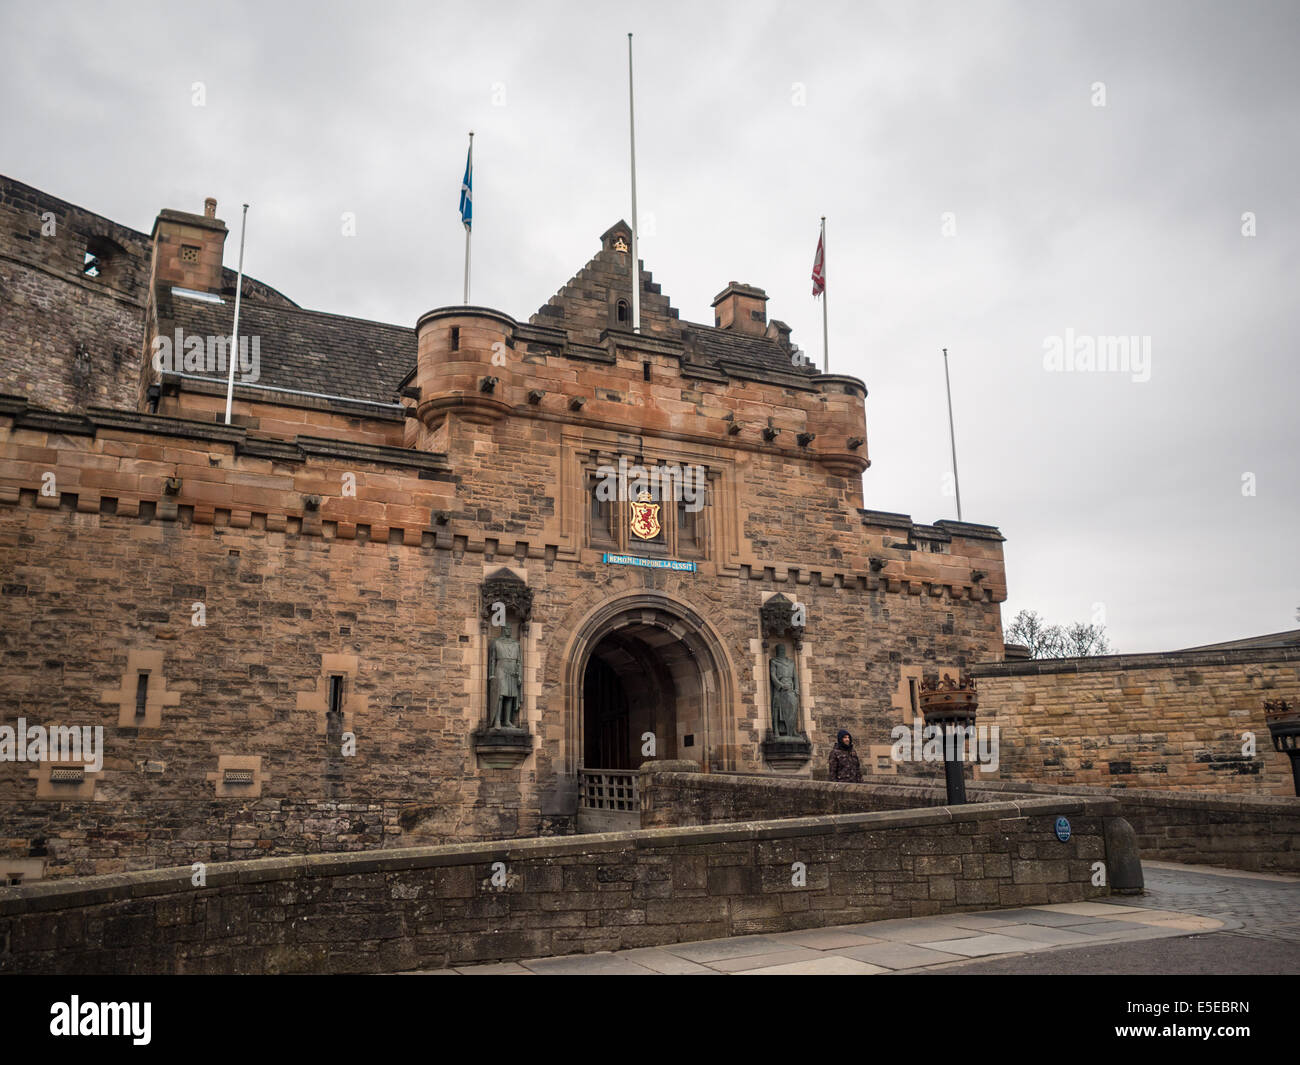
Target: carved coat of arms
{"points": [[645, 517]]}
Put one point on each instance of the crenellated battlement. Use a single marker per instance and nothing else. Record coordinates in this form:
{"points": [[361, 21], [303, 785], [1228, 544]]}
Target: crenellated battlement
{"points": [[483, 366]]}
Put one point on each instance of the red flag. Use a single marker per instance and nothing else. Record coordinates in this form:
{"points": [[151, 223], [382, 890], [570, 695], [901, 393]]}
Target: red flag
{"points": [[819, 270]]}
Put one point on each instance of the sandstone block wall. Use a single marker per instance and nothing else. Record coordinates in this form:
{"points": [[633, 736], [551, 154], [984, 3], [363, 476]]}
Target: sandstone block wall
{"points": [[439, 906], [1256, 832], [1176, 720], [102, 579], [1236, 832]]}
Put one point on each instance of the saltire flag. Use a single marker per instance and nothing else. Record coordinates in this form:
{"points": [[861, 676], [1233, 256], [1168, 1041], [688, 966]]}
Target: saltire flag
{"points": [[466, 191], [819, 269]]}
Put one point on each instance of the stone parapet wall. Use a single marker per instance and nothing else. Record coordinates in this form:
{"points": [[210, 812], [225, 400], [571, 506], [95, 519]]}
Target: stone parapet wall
{"points": [[675, 798], [437, 906], [1259, 833], [1176, 720], [1255, 832], [46, 840]]}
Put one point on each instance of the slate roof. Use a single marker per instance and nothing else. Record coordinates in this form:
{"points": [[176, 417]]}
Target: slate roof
{"points": [[310, 351], [724, 349], [1290, 638], [353, 358]]}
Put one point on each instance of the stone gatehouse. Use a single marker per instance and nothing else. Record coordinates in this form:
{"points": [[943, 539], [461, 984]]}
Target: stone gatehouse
{"points": [[287, 627]]}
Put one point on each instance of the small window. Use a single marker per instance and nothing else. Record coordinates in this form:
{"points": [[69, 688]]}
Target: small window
{"points": [[237, 776], [623, 314], [455, 338], [911, 692], [14, 879], [67, 775], [645, 371], [91, 266], [336, 694], [189, 253], [602, 518], [689, 539], [141, 694]]}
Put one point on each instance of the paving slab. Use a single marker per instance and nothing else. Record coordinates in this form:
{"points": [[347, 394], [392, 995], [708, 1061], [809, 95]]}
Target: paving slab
{"points": [[1099, 929], [1053, 935], [710, 950], [820, 939], [982, 922], [824, 965], [660, 961], [1045, 916], [588, 965], [978, 946], [897, 955], [919, 929], [499, 968], [755, 961], [1090, 909]]}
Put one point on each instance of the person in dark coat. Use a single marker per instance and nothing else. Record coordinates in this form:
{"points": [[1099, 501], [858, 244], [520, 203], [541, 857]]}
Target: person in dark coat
{"points": [[844, 765]]}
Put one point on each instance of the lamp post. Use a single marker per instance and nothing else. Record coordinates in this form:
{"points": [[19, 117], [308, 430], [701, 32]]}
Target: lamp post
{"points": [[950, 705], [1284, 726]]}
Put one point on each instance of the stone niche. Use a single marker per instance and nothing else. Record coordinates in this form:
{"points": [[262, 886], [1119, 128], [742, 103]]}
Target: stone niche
{"points": [[786, 747], [503, 740]]}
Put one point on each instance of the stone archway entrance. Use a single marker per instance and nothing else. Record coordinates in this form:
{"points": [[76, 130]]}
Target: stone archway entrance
{"points": [[641, 665]]}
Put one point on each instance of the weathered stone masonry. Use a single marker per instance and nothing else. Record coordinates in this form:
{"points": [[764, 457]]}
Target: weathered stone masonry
{"points": [[431, 907], [335, 541]]}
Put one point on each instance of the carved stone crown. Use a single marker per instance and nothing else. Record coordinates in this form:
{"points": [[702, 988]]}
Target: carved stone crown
{"points": [[777, 619], [504, 587]]}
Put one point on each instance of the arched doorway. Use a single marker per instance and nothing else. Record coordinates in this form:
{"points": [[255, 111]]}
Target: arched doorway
{"points": [[648, 665]]}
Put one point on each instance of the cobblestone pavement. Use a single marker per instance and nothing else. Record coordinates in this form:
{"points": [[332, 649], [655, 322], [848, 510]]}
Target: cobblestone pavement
{"points": [[1267, 907], [1182, 902]]}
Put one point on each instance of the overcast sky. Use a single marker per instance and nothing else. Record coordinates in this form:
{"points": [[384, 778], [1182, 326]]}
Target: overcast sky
{"points": [[978, 198]]}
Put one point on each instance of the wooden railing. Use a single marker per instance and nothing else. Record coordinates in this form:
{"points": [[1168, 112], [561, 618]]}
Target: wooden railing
{"points": [[615, 790]]}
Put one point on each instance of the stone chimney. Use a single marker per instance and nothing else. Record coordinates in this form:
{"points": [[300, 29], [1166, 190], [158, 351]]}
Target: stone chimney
{"points": [[187, 249], [741, 308]]}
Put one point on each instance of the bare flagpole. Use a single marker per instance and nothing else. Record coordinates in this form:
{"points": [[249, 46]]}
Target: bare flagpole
{"points": [[636, 261], [826, 329], [952, 436], [233, 355]]}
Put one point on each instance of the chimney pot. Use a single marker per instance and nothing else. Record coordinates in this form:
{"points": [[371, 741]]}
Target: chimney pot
{"points": [[210, 207]]}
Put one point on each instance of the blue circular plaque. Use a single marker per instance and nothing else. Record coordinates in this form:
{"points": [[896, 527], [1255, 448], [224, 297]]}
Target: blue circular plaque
{"points": [[1063, 829]]}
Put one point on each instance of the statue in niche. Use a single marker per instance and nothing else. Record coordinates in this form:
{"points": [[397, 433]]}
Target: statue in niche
{"points": [[785, 695], [505, 680]]}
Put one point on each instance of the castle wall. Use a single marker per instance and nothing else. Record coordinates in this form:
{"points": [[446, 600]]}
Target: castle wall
{"points": [[102, 578], [68, 340], [1176, 720]]}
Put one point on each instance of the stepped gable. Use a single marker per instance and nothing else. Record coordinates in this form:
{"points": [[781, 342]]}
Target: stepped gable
{"points": [[587, 305], [306, 351]]}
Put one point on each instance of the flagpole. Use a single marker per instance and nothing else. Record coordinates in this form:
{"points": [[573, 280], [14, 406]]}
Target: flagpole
{"points": [[468, 229], [636, 261], [952, 436], [233, 355], [826, 329]]}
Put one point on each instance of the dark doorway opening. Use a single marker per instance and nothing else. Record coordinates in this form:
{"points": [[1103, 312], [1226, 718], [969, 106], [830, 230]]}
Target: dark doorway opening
{"points": [[608, 731]]}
